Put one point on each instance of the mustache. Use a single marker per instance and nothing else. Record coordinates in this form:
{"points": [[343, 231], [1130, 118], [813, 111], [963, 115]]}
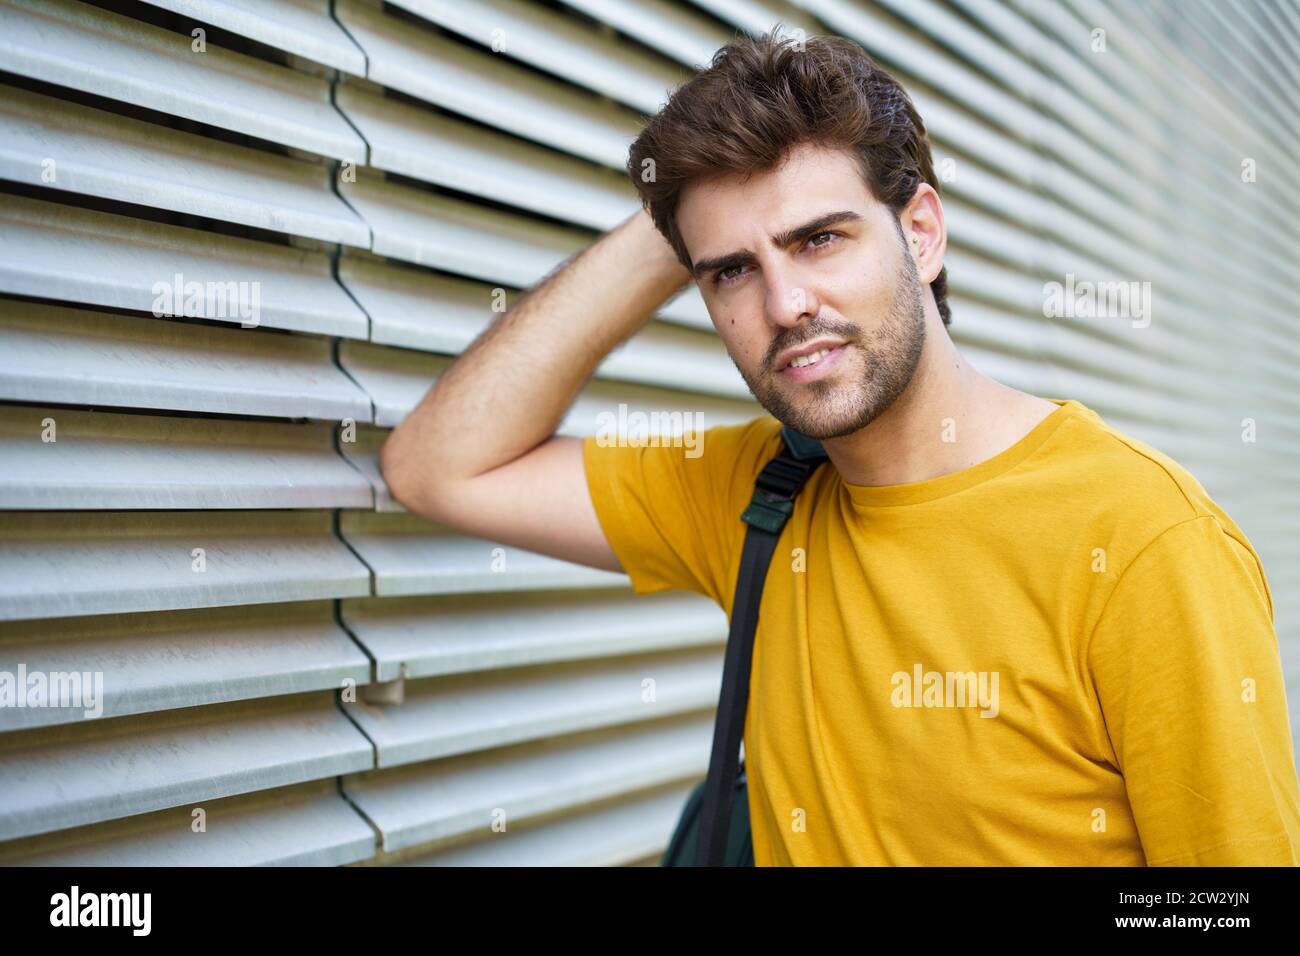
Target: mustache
{"points": [[793, 338]]}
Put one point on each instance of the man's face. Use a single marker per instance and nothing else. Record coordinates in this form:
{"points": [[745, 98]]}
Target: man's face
{"points": [[826, 323]]}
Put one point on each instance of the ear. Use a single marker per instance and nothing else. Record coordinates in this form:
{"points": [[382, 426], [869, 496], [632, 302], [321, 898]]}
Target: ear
{"points": [[923, 228]]}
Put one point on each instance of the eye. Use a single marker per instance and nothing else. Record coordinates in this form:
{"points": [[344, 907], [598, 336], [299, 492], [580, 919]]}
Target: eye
{"points": [[822, 245], [720, 277], [725, 277]]}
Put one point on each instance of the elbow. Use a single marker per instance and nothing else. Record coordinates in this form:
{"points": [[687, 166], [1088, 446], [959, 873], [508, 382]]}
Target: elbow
{"points": [[421, 478], [402, 484]]}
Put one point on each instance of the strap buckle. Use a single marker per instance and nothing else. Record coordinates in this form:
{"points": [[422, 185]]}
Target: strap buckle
{"points": [[777, 484]]}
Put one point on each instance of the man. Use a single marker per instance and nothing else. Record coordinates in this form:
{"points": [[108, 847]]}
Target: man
{"points": [[997, 630]]}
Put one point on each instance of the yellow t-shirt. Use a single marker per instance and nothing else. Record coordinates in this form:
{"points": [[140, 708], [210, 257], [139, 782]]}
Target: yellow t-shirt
{"points": [[1063, 655]]}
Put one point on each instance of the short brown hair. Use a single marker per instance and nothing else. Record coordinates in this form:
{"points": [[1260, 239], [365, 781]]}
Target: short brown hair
{"points": [[762, 96]]}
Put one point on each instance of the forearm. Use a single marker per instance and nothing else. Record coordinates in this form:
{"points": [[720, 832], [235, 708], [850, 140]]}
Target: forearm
{"points": [[508, 391]]}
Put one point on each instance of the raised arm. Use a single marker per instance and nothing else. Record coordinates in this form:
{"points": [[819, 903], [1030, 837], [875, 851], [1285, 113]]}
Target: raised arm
{"points": [[480, 453]]}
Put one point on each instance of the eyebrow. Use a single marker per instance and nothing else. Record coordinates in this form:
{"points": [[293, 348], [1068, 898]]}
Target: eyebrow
{"points": [[781, 241]]}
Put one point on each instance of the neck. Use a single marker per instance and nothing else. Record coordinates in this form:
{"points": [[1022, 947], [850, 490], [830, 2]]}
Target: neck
{"points": [[949, 418]]}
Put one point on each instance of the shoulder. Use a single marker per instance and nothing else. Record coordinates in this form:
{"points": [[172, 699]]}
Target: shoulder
{"points": [[729, 457], [709, 464], [1136, 480], [743, 448], [1142, 498]]}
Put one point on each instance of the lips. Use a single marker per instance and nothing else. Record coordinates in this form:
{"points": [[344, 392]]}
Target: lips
{"points": [[818, 362], [803, 361], [807, 354]]}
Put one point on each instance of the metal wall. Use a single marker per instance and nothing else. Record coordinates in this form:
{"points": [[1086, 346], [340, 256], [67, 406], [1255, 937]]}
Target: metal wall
{"points": [[297, 671]]}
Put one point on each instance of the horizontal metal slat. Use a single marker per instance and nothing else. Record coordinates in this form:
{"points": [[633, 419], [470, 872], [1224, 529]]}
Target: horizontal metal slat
{"points": [[558, 45], [884, 39], [50, 142], [459, 236], [67, 776], [1159, 89], [414, 309], [436, 148], [445, 233], [441, 716], [601, 403], [487, 88], [611, 833], [1054, 200], [76, 563], [999, 61], [1246, 77], [52, 251], [687, 308], [1041, 344], [418, 310], [54, 354], [396, 379], [65, 458], [301, 27], [1025, 289], [363, 453], [173, 659], [675, 31], [1079, 95], [670, 357], [761, 16], [411, 555], [83, 47], [46, 141], [306, 824], [431, 636], [464, 795]]}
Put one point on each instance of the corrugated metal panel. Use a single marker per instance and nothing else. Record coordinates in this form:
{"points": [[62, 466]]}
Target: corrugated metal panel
{"points": [[167, 660], [397, 379], [484, 87], [556, 44], [458, 236], [461, 796], [304, 825], [411, 555], [74, 148], [301, 27], [431, 636], [56, 354], [52, 251], [610, 833], [66, 776], [68, 563], [436, 313], [95, 51], [497, 135], [675, 31], [465, 713], [60, 458], [363, 453], [439, 149]]}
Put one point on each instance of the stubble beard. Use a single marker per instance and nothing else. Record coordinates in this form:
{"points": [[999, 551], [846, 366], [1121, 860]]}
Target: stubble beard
{"points": [[841, 404]]}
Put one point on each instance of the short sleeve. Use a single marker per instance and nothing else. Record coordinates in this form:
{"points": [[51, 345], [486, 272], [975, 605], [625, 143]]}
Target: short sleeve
{"points": [[1184, 660], [672, 514]]}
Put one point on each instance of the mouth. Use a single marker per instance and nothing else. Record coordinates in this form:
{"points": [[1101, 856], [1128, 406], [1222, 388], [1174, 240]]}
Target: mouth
{"points": [[808, 365]]}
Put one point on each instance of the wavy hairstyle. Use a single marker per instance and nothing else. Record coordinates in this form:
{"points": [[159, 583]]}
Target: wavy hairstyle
{"points": [[763, 95]]}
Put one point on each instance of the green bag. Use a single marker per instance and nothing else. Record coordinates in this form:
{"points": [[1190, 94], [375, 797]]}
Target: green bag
{"points": [[683, 848], [713, 829]]}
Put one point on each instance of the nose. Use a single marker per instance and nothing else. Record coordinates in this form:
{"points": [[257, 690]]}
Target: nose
{"points": [[790, 300]]}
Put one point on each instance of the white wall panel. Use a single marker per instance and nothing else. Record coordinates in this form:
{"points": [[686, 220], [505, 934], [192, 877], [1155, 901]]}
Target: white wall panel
{"points": [[347, 683]]}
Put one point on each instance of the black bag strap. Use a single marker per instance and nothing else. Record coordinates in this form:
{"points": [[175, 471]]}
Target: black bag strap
{"points": [[775, 489]]}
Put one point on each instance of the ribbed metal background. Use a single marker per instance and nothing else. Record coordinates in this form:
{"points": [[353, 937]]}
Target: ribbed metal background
{"points": [[345, 683]]}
